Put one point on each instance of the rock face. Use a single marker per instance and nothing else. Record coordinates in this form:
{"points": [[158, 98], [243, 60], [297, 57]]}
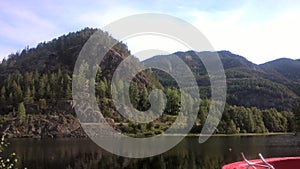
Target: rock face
{"points": [[42, 126]]}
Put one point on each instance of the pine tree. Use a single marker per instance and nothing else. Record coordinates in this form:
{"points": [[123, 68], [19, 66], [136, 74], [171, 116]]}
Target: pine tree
{"points": [[231, 128], [173, 101], [98, 74], [21, 111], [18, 77], [134, 94], [27, 96], [36, 78], [17, 92], [10, 100], [80, 79], [28, 79], [144, 102], [33, 92], [67, 82], [101, 89], [2, 98], [297, 116], [41, 88], [48, 93]]}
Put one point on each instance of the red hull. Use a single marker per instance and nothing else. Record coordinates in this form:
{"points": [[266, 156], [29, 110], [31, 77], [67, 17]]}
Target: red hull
{"points": [[278, 163]]}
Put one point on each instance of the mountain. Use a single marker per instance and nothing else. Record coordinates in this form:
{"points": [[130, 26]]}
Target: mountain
{"points": [[264, 86], [41, 77], [29, 72], [288, 68], [36, 91]]}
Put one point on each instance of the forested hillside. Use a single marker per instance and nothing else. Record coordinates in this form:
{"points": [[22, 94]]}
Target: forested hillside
{"points": [[41, 77], [271, 85], [288, 68], [36, 92]]}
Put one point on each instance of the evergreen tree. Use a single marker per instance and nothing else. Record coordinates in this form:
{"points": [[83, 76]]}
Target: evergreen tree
{"points": [[36, 78], [17, 92], [67, 82], [297, 116], [101, 89], [68, 91], [28, 79], [173, 101], [144, 102], [80, 80], [3, 91], [21, 111], [33, 92], [41, 88], [18, 77], [10, 99], [98, 74], [3, 98], [232, 128], [27, 96], [134, 94]]}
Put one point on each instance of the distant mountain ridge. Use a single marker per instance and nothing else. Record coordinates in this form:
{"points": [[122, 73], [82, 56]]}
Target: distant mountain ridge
{"points": [[36, 91], [274, 84], [288, 68], [271, 85]]}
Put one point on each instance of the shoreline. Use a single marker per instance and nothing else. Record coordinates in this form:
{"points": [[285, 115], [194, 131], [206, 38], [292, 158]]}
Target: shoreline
{"points": [[176, 135], [233, 135]]}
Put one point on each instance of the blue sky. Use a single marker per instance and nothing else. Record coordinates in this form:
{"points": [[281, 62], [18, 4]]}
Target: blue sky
{"points": [[259, 30]]}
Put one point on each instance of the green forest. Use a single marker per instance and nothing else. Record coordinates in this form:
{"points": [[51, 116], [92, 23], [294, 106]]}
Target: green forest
{"points": [[36, 87]]}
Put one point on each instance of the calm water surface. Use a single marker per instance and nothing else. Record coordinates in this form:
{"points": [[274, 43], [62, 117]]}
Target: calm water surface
{"points": [[189, 154]]}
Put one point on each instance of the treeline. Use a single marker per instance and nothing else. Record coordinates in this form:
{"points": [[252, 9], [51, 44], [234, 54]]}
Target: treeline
{"points": [[40, 91], [238, 119], [36, 80], [248, 84]]}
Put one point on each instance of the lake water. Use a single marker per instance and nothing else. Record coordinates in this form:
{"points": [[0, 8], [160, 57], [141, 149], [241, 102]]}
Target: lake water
{"points": [[189, 154]]}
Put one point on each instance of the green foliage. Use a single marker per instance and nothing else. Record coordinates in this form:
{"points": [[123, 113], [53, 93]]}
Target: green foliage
{"points": [[44, 72], [143, 103], [10, 161], [238, 119], [173, 101], [21, 111], [232, 129], [248, 84], [296, 111], [134, 94], [40, 77], [49, 87]]}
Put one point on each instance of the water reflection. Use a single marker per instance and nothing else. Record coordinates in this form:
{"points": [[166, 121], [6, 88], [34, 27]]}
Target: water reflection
{"points": [[189, 154]]}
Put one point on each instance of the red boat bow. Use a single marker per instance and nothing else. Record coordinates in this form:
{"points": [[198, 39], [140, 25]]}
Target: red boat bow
{"points": [[277, 163]]}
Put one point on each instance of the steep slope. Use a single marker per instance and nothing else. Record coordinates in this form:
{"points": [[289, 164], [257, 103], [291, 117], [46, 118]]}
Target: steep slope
{"points": [[248, 84], [41, 77], [288, 68]]}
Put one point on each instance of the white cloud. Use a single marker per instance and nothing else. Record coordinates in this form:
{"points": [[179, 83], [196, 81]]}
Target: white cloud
{"points": [[146, 46], [259, 41], [260, 31], [100, 18]]}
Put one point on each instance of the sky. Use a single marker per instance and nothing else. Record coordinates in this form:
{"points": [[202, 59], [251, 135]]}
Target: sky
{"points": [[259, 30]]}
